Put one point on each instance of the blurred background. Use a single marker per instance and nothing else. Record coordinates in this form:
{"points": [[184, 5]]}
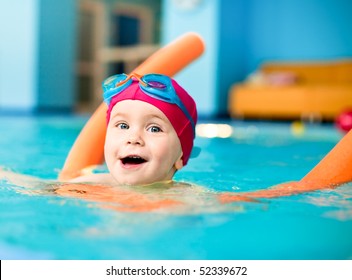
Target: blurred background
{"points": [[55, 54]]}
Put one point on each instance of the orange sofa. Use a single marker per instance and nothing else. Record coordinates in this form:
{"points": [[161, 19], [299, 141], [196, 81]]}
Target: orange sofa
{"points": [[301, 90]]}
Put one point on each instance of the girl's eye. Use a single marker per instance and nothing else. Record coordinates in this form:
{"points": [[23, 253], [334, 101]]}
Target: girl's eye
{"points": [[122, 126], [154, 129]]}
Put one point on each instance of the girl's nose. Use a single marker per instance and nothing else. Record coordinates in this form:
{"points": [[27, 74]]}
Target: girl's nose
{"points": [[135, 139]]}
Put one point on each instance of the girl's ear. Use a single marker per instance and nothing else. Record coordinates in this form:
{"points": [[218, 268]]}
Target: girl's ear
{"points": [[179, 162]]}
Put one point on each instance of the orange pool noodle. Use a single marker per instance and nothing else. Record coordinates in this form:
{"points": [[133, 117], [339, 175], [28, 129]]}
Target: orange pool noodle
{"points": [[335, 168], [88, 148]]}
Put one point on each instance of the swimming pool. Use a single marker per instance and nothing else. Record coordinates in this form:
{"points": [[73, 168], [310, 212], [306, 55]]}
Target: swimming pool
{"points": [[256, 155]]}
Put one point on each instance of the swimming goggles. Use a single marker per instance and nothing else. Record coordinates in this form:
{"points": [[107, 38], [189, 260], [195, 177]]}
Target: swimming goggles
{"points": [[154, 85]]}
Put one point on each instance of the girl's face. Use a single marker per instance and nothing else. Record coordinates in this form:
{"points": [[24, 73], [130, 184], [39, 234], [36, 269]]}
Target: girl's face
{"points": [[141, 145]]}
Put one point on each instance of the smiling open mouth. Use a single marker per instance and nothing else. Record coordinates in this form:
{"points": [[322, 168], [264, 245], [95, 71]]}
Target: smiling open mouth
{"points": [[133, 160]]}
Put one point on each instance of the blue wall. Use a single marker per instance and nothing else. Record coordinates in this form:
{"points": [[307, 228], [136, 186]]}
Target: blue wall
{"points": [[37, 54], [298, 30], [222, 26], [18, 54], [38, 45], [231, 60], [242, 34], [199, 78], [57, 54]]}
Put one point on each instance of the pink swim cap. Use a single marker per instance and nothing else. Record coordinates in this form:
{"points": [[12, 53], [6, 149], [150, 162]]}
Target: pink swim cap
{"points": [[177, 118]]}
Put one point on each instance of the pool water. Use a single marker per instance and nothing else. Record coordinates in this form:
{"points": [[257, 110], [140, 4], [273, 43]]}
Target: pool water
{"points": [[256, 155]]}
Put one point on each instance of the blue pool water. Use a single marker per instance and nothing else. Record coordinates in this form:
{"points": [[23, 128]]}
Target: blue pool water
{"points": [[314, 225]]}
